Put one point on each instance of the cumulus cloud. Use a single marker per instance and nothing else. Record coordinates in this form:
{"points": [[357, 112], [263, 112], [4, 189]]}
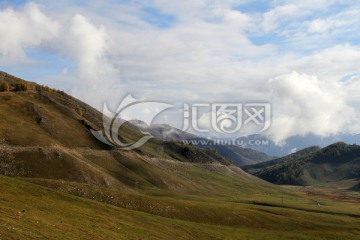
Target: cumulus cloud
{"points": [[77, 39], [24, 29], [304, 104], [88, 46]]}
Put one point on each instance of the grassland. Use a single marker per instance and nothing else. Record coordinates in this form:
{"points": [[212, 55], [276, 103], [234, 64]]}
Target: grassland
{"points": [[32, 212]]}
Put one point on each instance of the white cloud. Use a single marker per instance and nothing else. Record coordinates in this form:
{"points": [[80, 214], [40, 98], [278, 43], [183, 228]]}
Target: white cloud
{"points": [[273, 18], [304, 104], [339, 24], [89, 47], [319, 26], [77, 39], [22, 30], [331, 63]]}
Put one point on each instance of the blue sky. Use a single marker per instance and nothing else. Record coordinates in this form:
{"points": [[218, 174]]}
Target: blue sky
{"points": [[302, 56], [157, 18], [13, 3]]}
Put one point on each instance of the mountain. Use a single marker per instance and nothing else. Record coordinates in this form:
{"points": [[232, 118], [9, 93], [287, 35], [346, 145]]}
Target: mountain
{"points": [[297, 142], [45, 133], [241, 156], [256, 168], [336, 163]]}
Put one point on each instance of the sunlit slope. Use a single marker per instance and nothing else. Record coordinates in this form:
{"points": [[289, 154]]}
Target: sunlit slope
{"points": [[45, 133], [42, 116]]}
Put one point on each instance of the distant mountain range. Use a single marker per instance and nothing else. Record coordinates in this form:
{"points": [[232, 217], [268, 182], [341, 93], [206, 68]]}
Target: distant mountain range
{"points": [[266, 150], [335, 163], [239, 155], [296, 143]]}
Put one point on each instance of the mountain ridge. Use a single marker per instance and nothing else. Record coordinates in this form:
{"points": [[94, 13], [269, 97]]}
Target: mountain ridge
{"points": [[334, 163]]}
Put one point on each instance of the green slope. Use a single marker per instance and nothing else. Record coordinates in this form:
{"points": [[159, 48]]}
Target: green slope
{"points": [[336, 163], [33, 212], [256, 168]]}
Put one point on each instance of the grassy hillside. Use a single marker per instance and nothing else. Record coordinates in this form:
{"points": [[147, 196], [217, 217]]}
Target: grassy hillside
{"points": [[256, 168], [335, 163], [48, 117]]}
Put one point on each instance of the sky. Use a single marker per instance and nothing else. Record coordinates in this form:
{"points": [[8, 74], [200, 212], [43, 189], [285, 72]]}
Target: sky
{"points": [[303, 57]]}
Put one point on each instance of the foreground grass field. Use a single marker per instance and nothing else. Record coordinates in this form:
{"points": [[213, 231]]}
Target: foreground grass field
{"points": [[30, 211]]}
